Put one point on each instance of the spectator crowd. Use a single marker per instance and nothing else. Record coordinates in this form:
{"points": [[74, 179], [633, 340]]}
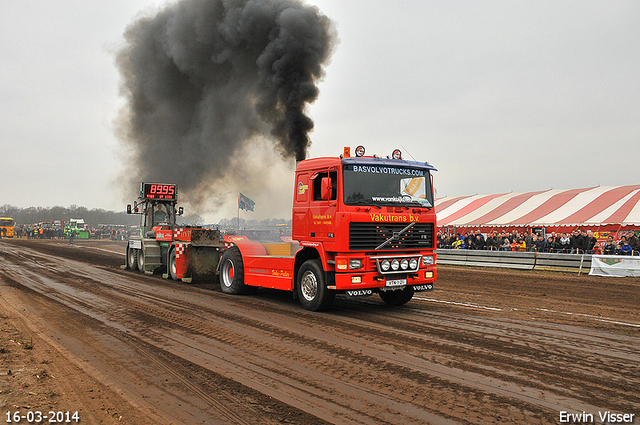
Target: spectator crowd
{"points": [[577, 242]]}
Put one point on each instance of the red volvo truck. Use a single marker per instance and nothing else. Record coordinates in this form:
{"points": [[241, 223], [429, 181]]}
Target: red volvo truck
{"points": [[361, 225]]}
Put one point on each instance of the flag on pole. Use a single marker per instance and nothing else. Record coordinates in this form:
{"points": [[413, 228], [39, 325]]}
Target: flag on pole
{"points": [[245, 203]]}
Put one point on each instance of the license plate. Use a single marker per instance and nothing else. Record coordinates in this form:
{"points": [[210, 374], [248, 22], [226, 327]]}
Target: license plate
{"points": [[396, 282]]}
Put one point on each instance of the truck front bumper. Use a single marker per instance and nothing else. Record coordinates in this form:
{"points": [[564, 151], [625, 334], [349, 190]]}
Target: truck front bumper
{"points": [[424, 278]]}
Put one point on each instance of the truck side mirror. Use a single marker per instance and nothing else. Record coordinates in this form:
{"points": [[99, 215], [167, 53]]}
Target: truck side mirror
{"points": [[180, 210], [128, 208], [325, 188]]}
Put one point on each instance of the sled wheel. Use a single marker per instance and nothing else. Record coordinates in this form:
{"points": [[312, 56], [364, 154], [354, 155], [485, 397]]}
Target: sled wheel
{"points": [[173, 272]]}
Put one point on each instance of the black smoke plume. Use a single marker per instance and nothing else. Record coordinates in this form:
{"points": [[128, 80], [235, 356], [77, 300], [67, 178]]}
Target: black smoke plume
{"points": [[203, 79]]}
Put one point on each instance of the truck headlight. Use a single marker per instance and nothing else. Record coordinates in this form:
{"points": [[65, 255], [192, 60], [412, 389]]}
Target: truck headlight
{"points": [[395, 265], [427, 260], [355, 264], [385, 265], [413, 264], [404, 264]]}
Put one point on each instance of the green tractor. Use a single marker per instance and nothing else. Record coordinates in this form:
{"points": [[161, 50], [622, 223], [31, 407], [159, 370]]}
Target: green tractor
{"points": [[77, 226]]}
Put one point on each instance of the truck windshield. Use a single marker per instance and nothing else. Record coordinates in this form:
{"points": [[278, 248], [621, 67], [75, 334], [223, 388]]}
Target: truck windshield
{"points": [[387, 185]]}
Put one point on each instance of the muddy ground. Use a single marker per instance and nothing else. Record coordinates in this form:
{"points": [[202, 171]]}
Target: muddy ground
{"points": [[78, 334]]}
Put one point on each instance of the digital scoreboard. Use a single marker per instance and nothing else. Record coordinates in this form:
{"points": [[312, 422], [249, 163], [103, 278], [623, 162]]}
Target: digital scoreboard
{"points": [[159, 191]]}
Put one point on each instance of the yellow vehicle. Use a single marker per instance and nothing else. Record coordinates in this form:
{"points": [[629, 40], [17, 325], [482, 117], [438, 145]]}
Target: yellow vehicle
{"points": [[6, 227]]}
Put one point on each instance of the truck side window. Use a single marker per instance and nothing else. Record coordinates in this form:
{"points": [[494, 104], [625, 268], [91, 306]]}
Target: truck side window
{"points": [[317, 189]]}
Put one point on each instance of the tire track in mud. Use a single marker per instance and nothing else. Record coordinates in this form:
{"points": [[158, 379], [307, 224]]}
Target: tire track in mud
{"points": [[269, 369], [363, 363], [298, 383], [529, 353], [226, 396]]}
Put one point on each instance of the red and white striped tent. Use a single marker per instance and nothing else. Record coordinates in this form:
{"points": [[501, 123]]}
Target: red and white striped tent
{"points": [[600, 208]]}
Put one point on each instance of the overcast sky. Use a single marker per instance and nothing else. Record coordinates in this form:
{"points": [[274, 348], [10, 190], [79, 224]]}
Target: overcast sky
{"points": [[501, 96]]}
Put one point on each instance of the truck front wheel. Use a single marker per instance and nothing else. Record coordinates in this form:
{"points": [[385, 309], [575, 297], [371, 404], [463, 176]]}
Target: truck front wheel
{"points": [[232, 273], [395, 298], [132, 258], [312, 291], [140, 260]]}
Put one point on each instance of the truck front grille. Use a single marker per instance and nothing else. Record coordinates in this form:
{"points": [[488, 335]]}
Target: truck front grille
{"points": [[368, 236]]}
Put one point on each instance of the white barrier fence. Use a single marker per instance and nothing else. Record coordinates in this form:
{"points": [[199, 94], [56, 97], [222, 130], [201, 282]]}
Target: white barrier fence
{"points": [[575, 263]]}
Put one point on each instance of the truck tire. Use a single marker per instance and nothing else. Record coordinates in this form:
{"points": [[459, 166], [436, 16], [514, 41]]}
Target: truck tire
{"points": [[132, 258], [396, 298], [312, 291], [172, 265], [232, 273], [140, 260]]}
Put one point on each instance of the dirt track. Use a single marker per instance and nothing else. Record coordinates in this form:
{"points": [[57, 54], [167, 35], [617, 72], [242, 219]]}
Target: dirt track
{"points": [[80, 334]]}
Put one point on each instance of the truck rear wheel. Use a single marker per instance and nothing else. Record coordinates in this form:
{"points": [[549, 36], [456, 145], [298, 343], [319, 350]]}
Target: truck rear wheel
{"points": [[232, 273], [312, 291], [132, 258], [395, 298]]}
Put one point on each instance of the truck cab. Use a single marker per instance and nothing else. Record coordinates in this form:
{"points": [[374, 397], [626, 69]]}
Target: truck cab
{"points": [[371, 221]]}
